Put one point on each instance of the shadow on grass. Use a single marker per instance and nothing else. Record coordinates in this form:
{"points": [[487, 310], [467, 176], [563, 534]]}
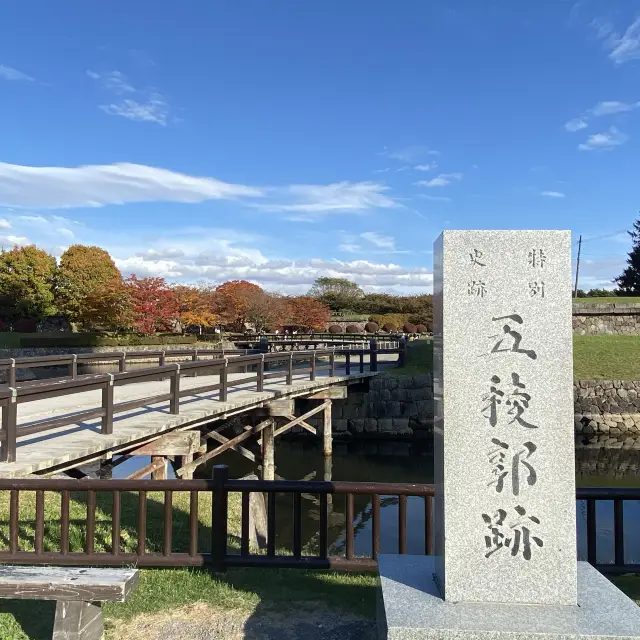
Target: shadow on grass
{"points": [[26, 619]]}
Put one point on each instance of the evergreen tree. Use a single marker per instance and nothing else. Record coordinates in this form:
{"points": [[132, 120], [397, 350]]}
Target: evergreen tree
{"points": [[629, 281]]}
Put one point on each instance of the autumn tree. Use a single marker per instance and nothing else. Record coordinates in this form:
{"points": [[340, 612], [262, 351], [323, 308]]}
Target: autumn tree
{"points": [[629, 280], [337, 293], [196, 305], [308, 313], [264, 311], [82, 271], [154, 304], [109, 308], [26, 283], [232, 302]]}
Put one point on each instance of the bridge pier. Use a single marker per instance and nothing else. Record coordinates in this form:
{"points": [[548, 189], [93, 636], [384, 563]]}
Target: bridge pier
{"points": [[268, 452]]}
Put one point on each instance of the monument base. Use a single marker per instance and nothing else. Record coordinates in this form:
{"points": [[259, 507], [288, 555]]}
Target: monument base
{"points": [[410, 607]]}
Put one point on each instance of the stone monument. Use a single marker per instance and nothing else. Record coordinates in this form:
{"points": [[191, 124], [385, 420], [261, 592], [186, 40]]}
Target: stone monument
{"points": [[505, 518]]}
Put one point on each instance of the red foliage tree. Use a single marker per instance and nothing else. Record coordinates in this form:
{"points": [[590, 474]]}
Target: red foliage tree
{"points": [[154, 304], [308, 313]]}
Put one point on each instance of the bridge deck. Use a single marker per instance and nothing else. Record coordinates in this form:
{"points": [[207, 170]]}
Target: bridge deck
{"points": [[78, 441]]}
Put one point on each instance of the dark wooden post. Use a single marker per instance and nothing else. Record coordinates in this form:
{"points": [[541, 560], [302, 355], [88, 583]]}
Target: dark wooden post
{"points": [[312, 376], [362, 360], [290, 369], [327, 441], [224, 372], [73, 367], [373, 355], [9, 425], [268, 452], [219, 517], [347, 357], [107, 405], [162, 360], [174, 390], [402, 346], [160, 473], [11, 375], [260, 386], [332, 363], [122, 362]]}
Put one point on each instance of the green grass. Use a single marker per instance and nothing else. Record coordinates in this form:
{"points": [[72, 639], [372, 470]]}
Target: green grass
{"points": [[418, 359], [165, 589], [620, 299], [606, 357]]}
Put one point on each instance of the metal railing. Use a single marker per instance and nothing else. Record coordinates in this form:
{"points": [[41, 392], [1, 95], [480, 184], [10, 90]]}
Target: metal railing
{"points": [[12, 397], [132, 530]]}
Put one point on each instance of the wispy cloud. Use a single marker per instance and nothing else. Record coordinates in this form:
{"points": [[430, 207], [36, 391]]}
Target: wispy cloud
{"points": [[625, 47], [576, 124], [379, 240], [611, 107], [443, 180], [11, 241], [427, 196], [429, 166], [408, 154], [553, 194], [9, 73], [604, 141], [350, 247], [141, 105], [155, 109], [385, 170], [314, 201], [98, 185], [4, 224]]}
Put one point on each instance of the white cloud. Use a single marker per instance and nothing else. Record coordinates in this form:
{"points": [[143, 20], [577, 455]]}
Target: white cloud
{"points": [[443, 180], [155, 109], [612, 107], [6, 242], [142, 105], [349, 247], [312, 201], [429, 166], [408, 154], [604, 141], [383, 242], [98, 185], [626, 47], [553, 194], [4, 224], [8, 73], [576, 125]]}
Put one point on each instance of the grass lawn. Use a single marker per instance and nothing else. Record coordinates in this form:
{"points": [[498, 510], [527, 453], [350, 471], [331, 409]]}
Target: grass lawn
{"points": [[594, 357], [161, 590], [621, 300]]}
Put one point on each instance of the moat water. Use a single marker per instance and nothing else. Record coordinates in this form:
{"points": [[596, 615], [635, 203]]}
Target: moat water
{"points": [[603, 463]]}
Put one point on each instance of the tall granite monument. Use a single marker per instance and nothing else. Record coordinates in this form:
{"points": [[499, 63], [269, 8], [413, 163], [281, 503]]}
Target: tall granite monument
{"points": [[505, 518]]}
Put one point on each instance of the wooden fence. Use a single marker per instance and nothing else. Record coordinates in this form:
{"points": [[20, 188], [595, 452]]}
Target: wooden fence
{"points": [[210, 546]]}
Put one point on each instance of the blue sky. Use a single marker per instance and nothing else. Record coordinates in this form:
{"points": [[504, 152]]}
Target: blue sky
{"points": [[282, 141]]}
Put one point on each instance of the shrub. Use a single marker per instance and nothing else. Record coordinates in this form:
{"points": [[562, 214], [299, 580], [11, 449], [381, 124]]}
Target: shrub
{"points": [[99, 340], [409, 328], [371, 327], [352, 328], [25, 325], [335, 328], [421, 328], [388, 327]]}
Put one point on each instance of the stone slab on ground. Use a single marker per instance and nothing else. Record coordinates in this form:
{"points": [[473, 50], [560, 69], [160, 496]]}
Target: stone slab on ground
{"points": [[411, 608]]}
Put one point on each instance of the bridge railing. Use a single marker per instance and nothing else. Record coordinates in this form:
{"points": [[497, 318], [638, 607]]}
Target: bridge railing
{"points": [[121, 358], [133, 522], [12, 397]]}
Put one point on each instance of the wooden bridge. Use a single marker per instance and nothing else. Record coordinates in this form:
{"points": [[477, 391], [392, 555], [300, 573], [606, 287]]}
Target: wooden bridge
{"points": [[56, 425]]}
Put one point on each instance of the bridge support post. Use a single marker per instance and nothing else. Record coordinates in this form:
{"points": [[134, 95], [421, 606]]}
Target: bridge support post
{"points": [[327, 439], [161, 472], [268, 452], [373, 355]]}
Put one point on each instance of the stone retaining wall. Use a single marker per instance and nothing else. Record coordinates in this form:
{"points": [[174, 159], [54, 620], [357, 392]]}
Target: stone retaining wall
{"points": [[394, 406], [607, 406], [608, 318]]}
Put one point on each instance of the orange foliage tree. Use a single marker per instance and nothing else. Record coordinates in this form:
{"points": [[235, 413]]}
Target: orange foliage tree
{"points": [[196, 305], [308, 313], [232, 300], [109, 306]]}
